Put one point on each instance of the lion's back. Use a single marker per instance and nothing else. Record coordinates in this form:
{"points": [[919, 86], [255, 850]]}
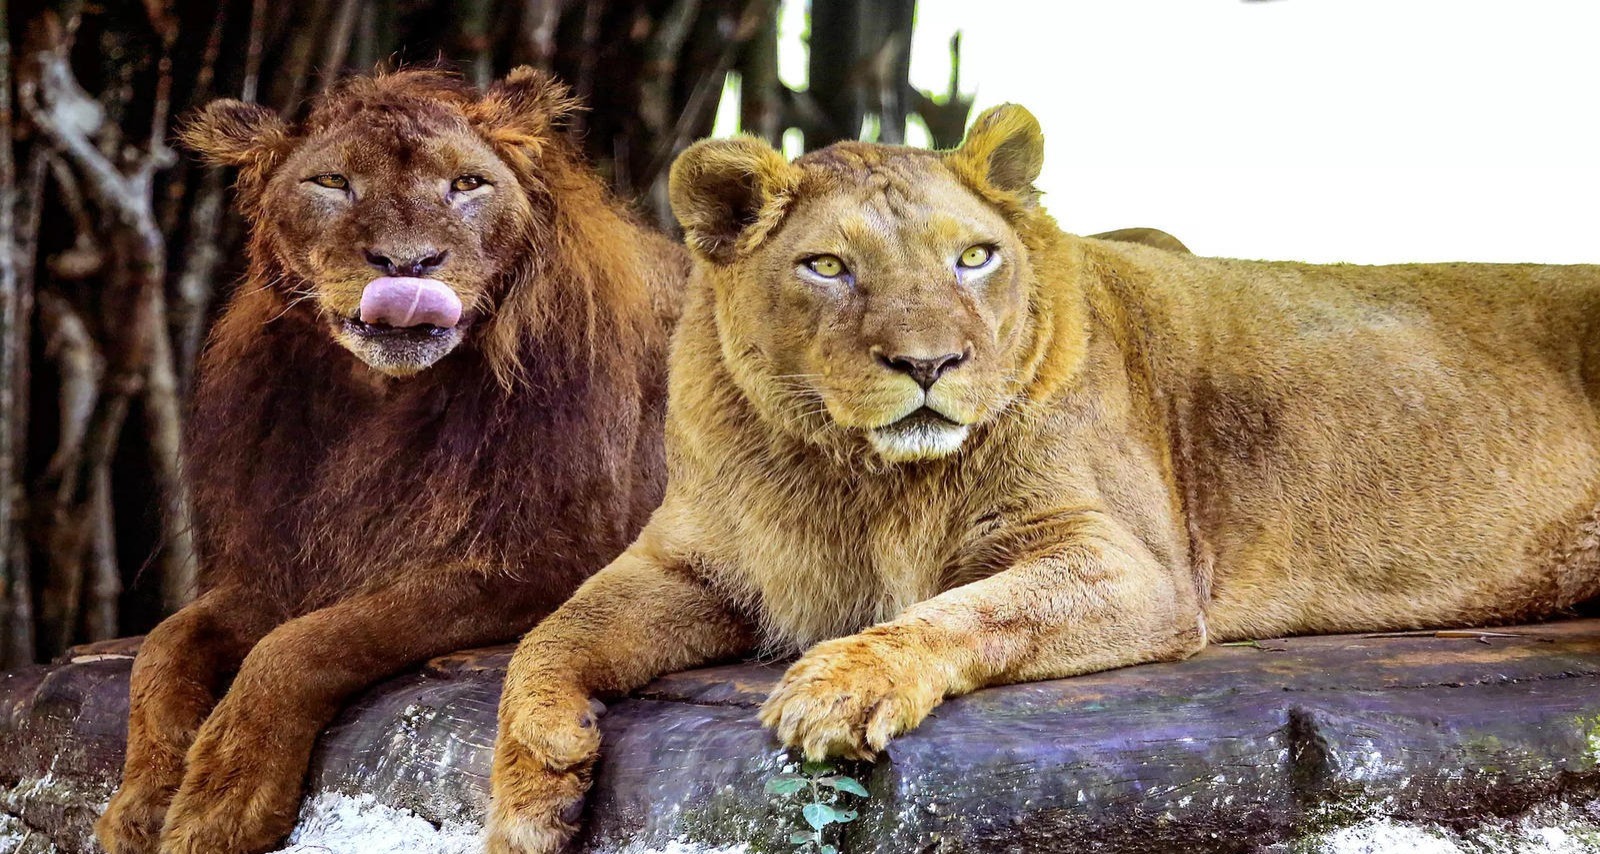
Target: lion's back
{"points": [[1389, 446]]}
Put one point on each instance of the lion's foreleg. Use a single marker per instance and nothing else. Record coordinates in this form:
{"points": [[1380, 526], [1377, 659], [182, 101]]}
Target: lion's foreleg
{"points": [[634, 620], [177, 674], [244, 773], [1093, 601]]}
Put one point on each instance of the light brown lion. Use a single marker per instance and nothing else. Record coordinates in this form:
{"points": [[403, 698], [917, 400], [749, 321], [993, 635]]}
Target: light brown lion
{"points": [[918, 433]]}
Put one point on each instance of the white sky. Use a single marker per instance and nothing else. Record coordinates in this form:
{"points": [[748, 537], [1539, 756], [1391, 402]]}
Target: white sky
{"points": [[1371, 131]]}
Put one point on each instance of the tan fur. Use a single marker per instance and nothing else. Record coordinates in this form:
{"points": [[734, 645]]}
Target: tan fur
{"points": [[1159, 450], [1146, 236]]}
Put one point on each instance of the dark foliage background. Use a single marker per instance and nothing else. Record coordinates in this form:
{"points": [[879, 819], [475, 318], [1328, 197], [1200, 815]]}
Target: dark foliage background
{"points": [[116, 250]]}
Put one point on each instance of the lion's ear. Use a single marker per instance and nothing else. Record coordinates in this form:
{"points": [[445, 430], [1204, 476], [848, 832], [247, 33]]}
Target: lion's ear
{"points": [[729, 193], [1005, 150], [232, 133], [525, 108]]}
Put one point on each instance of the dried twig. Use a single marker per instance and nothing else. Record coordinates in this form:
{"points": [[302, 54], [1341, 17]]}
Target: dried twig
{"points": [[1460, 634]]}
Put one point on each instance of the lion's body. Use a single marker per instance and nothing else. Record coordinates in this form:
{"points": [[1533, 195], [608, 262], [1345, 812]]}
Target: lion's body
{"points": [[1333, 448], [1364, 448], [922, 436], [361, 508]]}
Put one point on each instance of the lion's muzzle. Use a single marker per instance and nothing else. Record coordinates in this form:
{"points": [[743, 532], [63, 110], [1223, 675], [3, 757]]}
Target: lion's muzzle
{"points": [[404, 324]]}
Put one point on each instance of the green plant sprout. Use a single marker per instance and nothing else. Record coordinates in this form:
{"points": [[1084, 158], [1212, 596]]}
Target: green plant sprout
{"points": [[821, 784]]}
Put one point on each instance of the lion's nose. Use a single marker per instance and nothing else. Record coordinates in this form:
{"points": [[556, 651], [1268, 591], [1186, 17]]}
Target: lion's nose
{"points": [[926, 370], [407, 262]]}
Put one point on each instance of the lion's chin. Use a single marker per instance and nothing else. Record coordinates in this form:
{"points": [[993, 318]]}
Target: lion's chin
{"points": [[398, 352], [923, 435]]}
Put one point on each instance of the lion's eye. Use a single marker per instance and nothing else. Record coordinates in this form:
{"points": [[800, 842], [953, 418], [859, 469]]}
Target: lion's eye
{"points": [[826, 266], [975, 256], [467, 183], [332, 181]]}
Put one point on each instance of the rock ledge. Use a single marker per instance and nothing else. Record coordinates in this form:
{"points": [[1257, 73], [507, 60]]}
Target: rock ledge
{"points": [[1268, 746]]}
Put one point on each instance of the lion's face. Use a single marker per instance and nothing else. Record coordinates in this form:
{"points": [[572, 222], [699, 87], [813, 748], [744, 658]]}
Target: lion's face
{"points": [[894, 304], [392, 210], [864, 291], [400, 236]]}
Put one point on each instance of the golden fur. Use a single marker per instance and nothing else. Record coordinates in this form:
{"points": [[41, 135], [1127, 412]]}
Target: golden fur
{"points": [[1137, 451]]}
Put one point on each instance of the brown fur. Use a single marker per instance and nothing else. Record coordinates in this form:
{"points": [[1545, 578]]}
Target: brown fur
{"points": [[355, 523], [1159, 450]]}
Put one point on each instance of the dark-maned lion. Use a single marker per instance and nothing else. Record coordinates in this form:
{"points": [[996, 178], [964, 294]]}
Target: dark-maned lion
{"points": [[922, 435], [432, 409]]}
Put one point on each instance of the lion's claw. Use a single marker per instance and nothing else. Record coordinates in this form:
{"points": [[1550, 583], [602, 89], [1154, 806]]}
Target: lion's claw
{"points": [[846, 699]]}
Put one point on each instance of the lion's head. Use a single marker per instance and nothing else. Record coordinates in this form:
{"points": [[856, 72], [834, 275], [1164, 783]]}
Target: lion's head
{"points": [[403, 207], [867, 291]]}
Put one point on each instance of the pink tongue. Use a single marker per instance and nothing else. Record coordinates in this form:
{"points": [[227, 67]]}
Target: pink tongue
{"points": [[403, 301]]}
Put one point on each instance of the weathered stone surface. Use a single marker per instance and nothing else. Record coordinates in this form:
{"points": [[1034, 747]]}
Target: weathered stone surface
{"points": [[1243, 748]]}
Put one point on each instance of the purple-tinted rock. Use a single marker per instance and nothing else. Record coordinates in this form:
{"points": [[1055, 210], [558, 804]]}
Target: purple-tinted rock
{"points": [[1240, 749]]}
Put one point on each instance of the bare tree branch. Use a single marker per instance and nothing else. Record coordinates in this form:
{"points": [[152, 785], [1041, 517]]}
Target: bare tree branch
{"points": [[252, 54], [13, 350], [81, 370], [536, 37], [946, 119], [656, 104], [338, 43], [760, 94], [18, 641], [698, 111], [142, 352], [474, 39], [197, 283], [100, 621]]}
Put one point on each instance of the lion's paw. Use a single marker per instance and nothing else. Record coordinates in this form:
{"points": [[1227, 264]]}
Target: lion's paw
{"points": [[241, 789], [535, 808], [848, 697], [542, 761], [132, 821]]}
